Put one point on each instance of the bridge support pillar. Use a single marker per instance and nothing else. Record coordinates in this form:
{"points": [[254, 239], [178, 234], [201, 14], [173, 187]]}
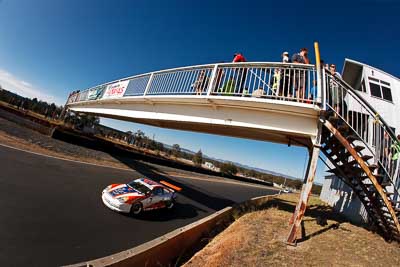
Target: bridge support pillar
{"points": [[298, 214]]}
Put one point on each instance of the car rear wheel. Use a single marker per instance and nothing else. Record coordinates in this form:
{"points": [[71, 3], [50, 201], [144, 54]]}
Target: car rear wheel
{"points": [[169, 204], [136, 208]]}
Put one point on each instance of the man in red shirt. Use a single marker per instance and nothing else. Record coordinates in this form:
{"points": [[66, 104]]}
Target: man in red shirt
{"points": [[242, 72], [238, 57]]}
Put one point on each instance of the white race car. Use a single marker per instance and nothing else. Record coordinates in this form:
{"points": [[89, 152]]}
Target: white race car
{"points": [[139, 195]]}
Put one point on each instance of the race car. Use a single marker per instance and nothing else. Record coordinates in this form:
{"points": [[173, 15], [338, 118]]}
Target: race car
{"points": [[139, 195]]}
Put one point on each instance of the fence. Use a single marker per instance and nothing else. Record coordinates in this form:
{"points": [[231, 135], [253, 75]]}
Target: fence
{"points": [[285, 82]]}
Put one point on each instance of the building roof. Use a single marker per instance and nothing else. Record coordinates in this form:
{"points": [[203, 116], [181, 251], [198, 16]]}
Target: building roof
{"points": [[352, 69]]}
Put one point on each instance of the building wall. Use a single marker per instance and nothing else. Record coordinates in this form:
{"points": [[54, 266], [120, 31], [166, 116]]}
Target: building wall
{"points": [[343, 200], [390, 111]]}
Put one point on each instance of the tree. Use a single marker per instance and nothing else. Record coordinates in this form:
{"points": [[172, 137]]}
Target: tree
{"points": [[176, 150], [81, 120], [228, 169], [198, 158], [139, 135], [252, 173]]}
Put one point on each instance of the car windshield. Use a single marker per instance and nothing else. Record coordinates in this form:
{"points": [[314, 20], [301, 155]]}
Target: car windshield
{"points": [[139, 187]]}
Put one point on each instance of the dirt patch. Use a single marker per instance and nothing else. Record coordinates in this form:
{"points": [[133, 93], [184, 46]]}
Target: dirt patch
{"points": [[257, 239]]}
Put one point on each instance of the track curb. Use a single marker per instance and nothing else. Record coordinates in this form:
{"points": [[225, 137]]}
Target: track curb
{"points": [[166, 249]]}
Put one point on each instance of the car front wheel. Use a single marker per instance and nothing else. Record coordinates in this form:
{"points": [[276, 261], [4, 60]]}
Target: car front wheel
{"points": [[169, 204], [136, 208]]}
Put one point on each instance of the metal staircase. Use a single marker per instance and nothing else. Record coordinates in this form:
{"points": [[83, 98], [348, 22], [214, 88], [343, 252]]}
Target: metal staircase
{"points": [[359, 147]]}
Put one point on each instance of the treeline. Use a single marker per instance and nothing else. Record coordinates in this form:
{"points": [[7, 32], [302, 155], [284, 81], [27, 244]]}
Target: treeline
{"points": [[41, 107]]}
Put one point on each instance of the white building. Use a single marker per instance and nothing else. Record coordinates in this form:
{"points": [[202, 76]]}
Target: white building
{"points": [[210, 166], [382, 91]]}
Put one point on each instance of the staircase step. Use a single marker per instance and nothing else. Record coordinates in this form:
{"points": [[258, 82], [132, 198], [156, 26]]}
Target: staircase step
{"points": [[373, 167], [377, 176], [334, 171], [366, 157], [343, 128], [333, 119], [359, 148], [352, 138], [342, 157]]}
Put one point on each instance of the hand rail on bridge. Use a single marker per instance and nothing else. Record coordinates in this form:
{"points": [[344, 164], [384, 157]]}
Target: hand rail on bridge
{"points": [[269, 80]]}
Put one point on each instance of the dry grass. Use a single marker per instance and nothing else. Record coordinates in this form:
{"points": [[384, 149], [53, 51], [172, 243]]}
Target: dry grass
{"points": [[257, 239]]}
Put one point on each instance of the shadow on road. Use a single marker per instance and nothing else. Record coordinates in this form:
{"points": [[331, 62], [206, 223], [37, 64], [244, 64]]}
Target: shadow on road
{"points": [[180, 211], [140, 163], [154, 173]]}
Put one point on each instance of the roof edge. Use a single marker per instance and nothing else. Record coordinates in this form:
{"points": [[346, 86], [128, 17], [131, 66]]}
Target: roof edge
{"points": [[366, 65]]}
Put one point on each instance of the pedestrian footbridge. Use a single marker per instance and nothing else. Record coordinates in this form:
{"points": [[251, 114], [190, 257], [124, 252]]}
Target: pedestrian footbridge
{"points": [[284, 103], [228, 99]]}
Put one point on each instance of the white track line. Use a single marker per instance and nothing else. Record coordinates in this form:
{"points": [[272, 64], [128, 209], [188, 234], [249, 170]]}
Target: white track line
{"points": [[131, 170]]}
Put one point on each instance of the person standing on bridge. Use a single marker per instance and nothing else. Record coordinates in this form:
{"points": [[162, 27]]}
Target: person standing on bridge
{"points": [[242, 73], [337, 93], [201, 84], [300, 75], [285, 84]]}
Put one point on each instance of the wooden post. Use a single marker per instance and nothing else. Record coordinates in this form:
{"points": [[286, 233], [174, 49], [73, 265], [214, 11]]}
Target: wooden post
{"points": [[304, 195]]}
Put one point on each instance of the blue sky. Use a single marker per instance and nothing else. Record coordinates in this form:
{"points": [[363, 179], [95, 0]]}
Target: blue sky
{"points": [[49, 48]]}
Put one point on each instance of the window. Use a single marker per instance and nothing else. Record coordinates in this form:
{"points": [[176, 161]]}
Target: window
{"points": [[158, 191], [373, 79], [387, 94], [375, 90], [380, 89]]}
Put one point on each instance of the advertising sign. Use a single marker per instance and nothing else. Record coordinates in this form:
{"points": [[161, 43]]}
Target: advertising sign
{"points": [[116, 89], [95, 93]]}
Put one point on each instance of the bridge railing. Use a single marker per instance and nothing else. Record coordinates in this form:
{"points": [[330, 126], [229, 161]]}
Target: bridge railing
{"points": [[285, 82], [364, 120]]}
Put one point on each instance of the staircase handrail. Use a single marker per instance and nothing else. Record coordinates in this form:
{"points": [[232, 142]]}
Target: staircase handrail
{"points": [[374, 114], [377, 116]]}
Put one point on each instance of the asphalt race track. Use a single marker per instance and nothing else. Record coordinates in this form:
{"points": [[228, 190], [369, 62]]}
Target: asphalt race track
{"points": [[51, 212]]}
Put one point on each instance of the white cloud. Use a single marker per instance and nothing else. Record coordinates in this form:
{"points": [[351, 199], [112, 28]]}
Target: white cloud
{"points": [[11, 83]]}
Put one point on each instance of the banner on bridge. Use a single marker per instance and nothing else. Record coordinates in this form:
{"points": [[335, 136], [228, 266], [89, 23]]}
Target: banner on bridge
{"points": [[116, 89], [95, 93]]}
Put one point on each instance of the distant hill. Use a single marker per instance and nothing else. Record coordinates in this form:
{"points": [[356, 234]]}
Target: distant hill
{"points": [[243, 165]]}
